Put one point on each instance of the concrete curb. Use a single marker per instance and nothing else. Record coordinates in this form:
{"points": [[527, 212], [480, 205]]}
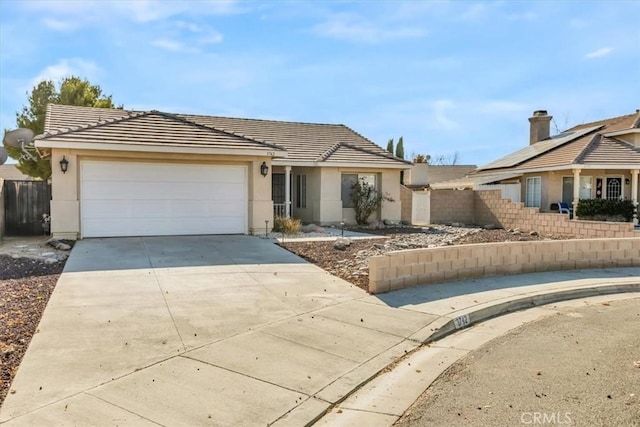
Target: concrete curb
{"points": [[469, 317]]}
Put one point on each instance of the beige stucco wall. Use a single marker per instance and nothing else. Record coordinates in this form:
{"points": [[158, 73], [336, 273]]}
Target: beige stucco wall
{"points": [[65, 204], [330, 210]]}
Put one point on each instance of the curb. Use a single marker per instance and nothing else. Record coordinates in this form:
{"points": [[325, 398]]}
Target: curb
{"points": [[472, 316]]}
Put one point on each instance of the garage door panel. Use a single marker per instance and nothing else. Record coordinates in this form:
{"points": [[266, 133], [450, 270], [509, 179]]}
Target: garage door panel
{"points": [[102, 190], [146, 199], [154, 226], [163, 209], [152, 172]]}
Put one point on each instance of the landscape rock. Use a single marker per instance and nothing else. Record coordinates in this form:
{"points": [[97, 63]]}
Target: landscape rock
{"points": [[534, 233], [489, 227], [387, 222], [309, 228], [516, 231]]}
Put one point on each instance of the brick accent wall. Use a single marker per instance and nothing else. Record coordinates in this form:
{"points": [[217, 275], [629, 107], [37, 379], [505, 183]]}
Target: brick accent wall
{"points": [[406, 200], [490, 208], [449, 206], [403, 269]]}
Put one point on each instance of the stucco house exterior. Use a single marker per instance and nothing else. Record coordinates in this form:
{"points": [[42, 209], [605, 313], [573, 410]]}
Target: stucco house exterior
{"points": [[136, 173], [592, 160]]}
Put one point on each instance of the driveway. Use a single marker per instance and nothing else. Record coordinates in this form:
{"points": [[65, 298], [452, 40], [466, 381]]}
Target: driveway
{"points": [[212, 330], [200, 330]]}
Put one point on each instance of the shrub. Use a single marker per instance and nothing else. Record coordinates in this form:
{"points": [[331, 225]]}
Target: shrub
{"points": [[366, 200], [286, 225], [603, 209]]}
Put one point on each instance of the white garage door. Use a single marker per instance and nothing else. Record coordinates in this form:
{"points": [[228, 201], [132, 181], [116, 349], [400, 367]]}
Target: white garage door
{"points": [[150, 199]]}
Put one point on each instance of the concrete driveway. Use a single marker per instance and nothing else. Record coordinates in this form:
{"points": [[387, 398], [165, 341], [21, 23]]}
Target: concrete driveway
{"points": [[200, 330]]}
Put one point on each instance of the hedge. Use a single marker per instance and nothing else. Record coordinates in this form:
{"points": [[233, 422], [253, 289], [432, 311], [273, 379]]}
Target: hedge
{"points": [[603, 209]]}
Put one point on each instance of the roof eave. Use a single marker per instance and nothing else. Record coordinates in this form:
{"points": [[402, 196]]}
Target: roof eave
{"points": [[160, 148], [362, 165]]}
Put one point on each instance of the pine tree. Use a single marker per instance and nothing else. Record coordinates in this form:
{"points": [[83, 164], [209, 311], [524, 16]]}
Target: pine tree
{"points": [[390, 146], [400, 148]]}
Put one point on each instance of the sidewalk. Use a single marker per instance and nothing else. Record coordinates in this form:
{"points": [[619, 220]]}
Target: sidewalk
{"points": [[294, 370]]}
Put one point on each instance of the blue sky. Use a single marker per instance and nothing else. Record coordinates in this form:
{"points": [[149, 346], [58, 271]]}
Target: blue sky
{"points": [[456, 76]]}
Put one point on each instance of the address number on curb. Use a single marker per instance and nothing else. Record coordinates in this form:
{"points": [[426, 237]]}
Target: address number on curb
{"points": [[462, 321]]}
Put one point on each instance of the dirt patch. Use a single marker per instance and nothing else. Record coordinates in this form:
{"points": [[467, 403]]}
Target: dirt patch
{"points": [[352, 263], [25, 288]]}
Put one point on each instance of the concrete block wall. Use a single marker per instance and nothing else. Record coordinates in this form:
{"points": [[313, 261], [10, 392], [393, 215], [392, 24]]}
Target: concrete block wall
{"points": [[403, 269], [406, 200], [490, 208], [449, 206]]}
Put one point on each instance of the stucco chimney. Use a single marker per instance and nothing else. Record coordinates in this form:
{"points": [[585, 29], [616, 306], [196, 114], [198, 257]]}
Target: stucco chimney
{"points": [[540, 126]]}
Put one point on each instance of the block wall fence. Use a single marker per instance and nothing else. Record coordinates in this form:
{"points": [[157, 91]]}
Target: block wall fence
{"points": [[407, 268], [487, 207]]}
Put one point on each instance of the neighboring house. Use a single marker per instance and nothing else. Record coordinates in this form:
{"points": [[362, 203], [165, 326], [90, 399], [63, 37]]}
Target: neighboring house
{"points": [[418, 179], [593, 160], [133, 173], [11, 173]]}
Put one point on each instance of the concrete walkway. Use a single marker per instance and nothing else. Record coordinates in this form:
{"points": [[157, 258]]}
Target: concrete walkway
{"points": [[236, 331]]}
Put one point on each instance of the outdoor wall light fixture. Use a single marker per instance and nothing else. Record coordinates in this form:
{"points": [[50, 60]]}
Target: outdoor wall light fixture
{"points": [[626, 181], [264, 169], [64, 164]]}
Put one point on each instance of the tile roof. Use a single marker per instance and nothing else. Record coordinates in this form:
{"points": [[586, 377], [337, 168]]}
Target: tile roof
{"points": [[610, 151], [582, 144], [304, 142], [153, 128], [470, 181], [11, 173], [441, 173]]}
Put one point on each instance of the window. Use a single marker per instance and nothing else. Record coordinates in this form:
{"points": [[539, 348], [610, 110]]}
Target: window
{"points": [[534, 192], [348, 181], [301, 191], [614, 188], [586, 183]]}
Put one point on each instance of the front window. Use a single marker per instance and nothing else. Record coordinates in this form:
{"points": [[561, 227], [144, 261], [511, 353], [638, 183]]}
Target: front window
{"points": [[349, 180], [534, 192]]}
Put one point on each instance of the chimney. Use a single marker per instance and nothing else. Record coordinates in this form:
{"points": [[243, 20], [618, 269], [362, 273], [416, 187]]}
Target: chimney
{"points": [[540, 126]]}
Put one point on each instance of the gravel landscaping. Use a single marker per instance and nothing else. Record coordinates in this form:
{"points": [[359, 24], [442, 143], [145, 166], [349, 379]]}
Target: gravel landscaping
{"points": [[25, 288], [352, 262]]}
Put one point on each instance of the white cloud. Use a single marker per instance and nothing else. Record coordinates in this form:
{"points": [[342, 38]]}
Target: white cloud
{"points": [[173, 46], [212, 37], [599, 53], [524, 16], [59, 24], [65, 68], [474, 12], [439, 109], [354, 28]]}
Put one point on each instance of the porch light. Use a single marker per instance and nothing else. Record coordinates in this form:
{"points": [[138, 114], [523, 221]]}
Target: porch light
{"points": [[264, 169], [64, 164]]}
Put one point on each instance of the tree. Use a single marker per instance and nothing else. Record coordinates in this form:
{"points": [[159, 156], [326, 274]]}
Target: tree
{"points": [[420, 158], [442, 159], [72, 91], [390, 146], [400, 148], [366, 200]]}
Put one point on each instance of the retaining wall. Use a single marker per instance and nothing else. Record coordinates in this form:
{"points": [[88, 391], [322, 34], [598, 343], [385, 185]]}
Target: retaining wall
{"points": [[403, 269]]}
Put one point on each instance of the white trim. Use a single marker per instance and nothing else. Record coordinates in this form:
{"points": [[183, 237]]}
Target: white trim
{"points": [[314, 164], [164, 148], [605, 188], [572, 167], [622, 132], [591, 195]]}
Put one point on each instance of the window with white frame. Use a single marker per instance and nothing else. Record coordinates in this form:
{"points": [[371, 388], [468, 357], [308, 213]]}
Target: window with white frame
{"points": [[349, 180], [533, 192], [586, 184]]}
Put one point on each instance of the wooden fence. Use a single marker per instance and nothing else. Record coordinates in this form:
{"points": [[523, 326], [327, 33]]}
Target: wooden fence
{"points": [[24, 204]]}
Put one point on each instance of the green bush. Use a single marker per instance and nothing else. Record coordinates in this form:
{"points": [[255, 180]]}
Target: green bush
{"points": [[286, 225], [366, 200], [605, 210]]}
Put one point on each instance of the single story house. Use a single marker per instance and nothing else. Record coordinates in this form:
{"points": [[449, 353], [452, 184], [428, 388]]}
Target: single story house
{"points": [[138, 173], [592, 160]]}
